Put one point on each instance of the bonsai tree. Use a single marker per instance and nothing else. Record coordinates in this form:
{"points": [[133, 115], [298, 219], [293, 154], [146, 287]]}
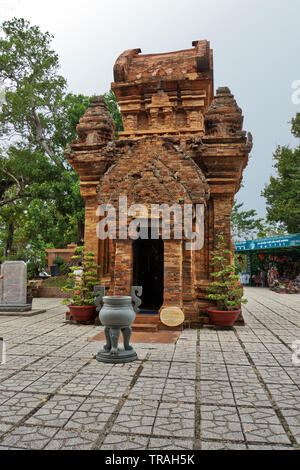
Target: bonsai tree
{"points": [[225, 290], [82, 279]]}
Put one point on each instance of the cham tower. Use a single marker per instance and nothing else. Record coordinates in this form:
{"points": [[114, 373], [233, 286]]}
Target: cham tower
{"points": [[181, 144]]}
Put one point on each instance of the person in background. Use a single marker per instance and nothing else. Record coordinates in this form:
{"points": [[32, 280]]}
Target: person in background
{"points": [[257, 280], [263, 275]]}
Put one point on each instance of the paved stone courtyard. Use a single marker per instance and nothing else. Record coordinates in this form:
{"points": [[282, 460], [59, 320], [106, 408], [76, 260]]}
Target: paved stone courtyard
{"points": [[229, 389]]}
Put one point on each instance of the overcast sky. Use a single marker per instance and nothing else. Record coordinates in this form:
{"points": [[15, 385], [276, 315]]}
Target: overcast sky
{"points": [[256, 53]]}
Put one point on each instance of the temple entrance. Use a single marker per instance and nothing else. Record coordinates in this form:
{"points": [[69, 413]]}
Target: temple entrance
{"points": [[148, 271]]}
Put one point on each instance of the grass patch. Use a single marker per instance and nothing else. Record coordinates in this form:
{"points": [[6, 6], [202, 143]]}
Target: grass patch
{"points": [[58, 281]]}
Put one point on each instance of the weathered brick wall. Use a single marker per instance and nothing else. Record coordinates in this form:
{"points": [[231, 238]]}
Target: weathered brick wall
{"points": [[65, 253], [123, 267], [173, 273], [53, 292]]}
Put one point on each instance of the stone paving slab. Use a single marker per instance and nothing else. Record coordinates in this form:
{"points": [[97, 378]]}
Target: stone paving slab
{"points": [[140, 407], [29, 437], [214, 389], [19, 406], [72, 440], [232, 431], [30, 313], [123, 442], [174, 426], [222, 445], [170, 444], [133, 424]]}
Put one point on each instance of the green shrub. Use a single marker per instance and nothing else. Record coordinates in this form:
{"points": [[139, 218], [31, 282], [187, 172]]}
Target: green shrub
{"points": [[82, 285], [58, 260], [61, 263], [225, 290]]}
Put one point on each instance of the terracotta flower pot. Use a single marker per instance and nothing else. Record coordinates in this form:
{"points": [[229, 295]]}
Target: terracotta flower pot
{"points": [[223, 317], [85, 313]]}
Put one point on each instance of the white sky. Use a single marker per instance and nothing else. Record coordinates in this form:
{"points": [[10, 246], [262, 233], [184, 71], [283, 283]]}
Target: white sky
{"points": [[256, 53]]}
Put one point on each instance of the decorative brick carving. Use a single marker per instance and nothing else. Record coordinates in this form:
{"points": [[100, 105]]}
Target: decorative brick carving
{"points": [[163, 93], [223, 117]]}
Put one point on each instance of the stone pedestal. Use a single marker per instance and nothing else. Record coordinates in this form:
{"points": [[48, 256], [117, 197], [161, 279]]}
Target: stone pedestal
{"points": [[123, 356]]}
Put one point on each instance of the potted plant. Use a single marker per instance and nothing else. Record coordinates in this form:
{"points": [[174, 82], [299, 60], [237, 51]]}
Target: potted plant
{"points": [[61, 263], [225, 290], [81, 280]]}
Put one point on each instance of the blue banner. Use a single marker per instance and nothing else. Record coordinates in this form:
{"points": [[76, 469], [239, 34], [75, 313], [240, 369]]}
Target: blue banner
{"points": [[267, 243]]}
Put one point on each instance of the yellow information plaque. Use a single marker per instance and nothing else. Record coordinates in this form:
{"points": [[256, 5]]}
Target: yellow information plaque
{"points": [[172, 316]]}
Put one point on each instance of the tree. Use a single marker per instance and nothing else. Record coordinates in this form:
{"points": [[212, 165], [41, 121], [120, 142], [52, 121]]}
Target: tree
{"points": [[37, 120], [34, 89], [296, 126], [283, 192], [244, 224], [271, 230], [113, 108]]}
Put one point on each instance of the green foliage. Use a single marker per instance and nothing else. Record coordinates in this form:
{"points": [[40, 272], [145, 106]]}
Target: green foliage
{"points": [[72, 108], [34, 89], [244, 224], [224, 290], [113, 108], [61, 263], [296, 126], [57, 281], [59, 260], [40, 197], [34, 256], [240, 262], [283, 192], [83, 285], [42, 118], [271, 230]]}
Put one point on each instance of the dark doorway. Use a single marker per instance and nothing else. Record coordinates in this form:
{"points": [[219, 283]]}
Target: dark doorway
{"points": [[148, 271]]}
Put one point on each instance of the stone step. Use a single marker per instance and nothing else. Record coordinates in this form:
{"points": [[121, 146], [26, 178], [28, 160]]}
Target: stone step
{"points": [[144, 318], [144, 327]]}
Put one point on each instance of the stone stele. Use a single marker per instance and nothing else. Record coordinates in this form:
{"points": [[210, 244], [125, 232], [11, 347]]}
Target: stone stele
{"points": [[13, 290]]}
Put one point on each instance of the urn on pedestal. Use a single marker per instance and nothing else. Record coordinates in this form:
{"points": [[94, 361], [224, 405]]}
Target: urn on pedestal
{"points": [[117, 314]]}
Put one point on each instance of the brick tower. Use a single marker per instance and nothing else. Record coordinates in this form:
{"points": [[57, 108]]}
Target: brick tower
{"points": [[180, 145]]}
